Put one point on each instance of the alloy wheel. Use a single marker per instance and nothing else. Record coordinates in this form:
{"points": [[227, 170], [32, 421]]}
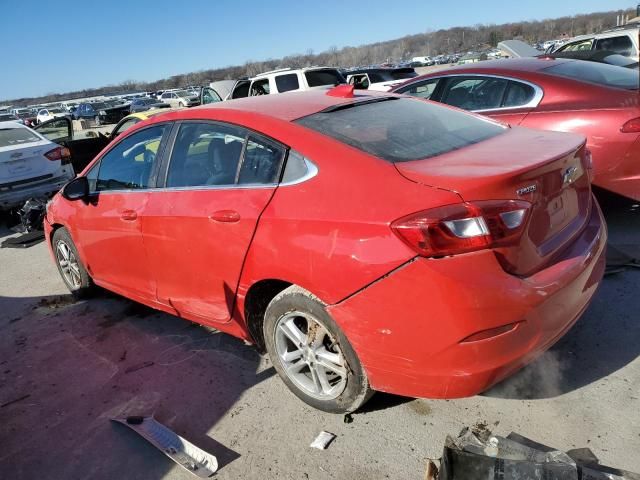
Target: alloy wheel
{"points": [[68, 265], [311, 358]]}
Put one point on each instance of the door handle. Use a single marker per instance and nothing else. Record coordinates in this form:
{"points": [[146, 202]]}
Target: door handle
{"points": [[225, 216], [128, 215]]}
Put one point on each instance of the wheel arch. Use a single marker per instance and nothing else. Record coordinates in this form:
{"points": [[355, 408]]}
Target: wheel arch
{"points": [[256, 300]]}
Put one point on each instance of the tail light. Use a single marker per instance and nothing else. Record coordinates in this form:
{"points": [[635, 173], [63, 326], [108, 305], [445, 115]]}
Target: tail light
{"points": [[463, 227], [58, 153], [632, 126]]}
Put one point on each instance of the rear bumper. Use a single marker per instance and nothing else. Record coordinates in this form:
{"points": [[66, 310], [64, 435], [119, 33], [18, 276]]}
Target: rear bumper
{"points": [[15, 197], [408, 328]]}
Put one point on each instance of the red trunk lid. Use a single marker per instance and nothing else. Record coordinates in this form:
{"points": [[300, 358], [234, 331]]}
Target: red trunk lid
{"points": [[547, 169]]}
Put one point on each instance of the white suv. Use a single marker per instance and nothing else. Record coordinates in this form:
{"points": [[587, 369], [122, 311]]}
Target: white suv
{"points": [[621, 40], [286, 80]]}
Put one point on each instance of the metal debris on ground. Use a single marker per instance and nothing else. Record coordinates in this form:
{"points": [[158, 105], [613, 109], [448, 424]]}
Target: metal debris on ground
{"points": [[323, 440], [348, 418], [516, 457], [181, 451]]}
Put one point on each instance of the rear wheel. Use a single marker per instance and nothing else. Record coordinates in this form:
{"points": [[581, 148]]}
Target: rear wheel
{"points": [[181, 105], [72, 271], [312, 355]]}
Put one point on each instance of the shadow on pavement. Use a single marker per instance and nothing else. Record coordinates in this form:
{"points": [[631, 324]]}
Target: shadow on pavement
{"points": [[67, 367]]}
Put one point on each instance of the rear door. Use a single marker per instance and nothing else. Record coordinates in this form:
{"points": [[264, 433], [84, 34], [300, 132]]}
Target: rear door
{"points": [[198, 228], [83, 149]]}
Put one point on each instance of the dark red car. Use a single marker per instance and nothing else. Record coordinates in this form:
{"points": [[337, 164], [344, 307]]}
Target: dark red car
{"points": [[597, 100], [367, 241]]}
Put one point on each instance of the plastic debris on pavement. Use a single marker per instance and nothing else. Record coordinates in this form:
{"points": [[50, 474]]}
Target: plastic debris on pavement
{"points": [[483, 456], [323, 440], [181, 451]]}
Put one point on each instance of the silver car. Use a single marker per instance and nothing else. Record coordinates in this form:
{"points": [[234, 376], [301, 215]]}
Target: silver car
{"points": [[30, 165]]}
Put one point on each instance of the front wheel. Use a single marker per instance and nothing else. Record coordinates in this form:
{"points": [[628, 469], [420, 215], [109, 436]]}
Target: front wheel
{"points": [[311, 355], [181, 105], [72, 271]]}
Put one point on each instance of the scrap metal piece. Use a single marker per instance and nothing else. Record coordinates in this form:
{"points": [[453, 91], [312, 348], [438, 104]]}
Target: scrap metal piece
{"points": [[516, 457], [181, 451], [323, 440]]}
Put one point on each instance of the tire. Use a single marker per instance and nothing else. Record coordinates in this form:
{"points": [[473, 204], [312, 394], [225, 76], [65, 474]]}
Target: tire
{"points": [[181, 105], [344, 387], [76, 278]]}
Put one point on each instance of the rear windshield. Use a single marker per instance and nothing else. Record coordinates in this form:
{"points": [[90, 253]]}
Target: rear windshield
{"points": [[599, 73], [318, 78], [401, 129], [16, 136]]}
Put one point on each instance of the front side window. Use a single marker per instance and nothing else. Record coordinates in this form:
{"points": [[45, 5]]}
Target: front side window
{"points": [[56, 130], [128, 165], [241, 90], [421, 89], [205, 154], [287, 82], [621, 45], [123, 126], [259, 87], [478, 93], [401, 129], [209, 95]]}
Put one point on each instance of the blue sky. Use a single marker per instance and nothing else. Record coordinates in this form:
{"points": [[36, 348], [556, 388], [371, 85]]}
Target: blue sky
{"points": [[65, 45]]}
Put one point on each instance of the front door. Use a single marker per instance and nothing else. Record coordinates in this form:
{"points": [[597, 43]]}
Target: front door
{"points": [[198, 228], [83, 149], [108, 226]]}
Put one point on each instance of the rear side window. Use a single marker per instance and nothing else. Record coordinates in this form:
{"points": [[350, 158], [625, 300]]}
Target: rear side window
{"points": [[401, 129], [10, 137], [621, 45], [318, 78], [478, 93], [598, 73], [205, 154], [287, 82], [518, 94], [261, 163]]}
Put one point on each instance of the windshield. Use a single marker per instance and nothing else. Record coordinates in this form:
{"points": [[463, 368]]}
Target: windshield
{"points": [[598, 73], [400, 130], [10, 137]]}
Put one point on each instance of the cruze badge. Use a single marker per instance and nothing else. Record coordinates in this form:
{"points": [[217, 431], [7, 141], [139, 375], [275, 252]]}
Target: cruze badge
{"points": [[527, 189]]}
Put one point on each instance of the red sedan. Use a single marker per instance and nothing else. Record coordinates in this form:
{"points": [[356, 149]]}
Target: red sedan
{"points": [[367, 241], [597, 100]]}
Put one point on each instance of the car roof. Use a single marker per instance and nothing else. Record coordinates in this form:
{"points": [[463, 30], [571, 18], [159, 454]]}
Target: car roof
{"points": [[288, 106], [528, 64]]}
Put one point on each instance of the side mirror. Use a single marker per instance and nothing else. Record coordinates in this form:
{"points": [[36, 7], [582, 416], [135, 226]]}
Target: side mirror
{"points": [[76, 189]]}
